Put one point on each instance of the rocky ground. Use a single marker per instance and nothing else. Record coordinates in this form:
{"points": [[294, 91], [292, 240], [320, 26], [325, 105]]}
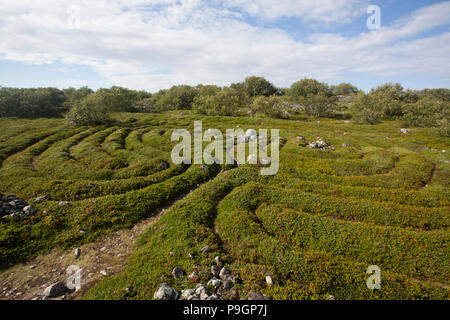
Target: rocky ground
{"points": [[45, 276], [219, 287], [11, 206]]}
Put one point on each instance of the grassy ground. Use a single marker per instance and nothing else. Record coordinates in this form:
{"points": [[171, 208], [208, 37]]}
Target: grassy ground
{"points": [[378, 197]]}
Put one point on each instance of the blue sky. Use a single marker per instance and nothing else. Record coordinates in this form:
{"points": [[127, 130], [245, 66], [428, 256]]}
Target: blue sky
{"points": [[155, 44]]}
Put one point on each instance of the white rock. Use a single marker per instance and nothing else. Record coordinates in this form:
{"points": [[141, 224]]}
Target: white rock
{"points": [[165, 292], [55, 289], [269, 280], [186, 294], [215, 282]]}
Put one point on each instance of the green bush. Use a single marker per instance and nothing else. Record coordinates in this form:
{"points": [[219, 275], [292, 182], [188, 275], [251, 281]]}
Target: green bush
{"points": [[306, 87], [344, 89], [318, 105], [428, 112], [273, 106], [177, 97], [89, 111], [258, 86], [365, 109], [224, 103]]}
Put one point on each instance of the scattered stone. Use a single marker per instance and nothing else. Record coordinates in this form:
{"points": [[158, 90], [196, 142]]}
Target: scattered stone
{"points": [[165, 292], [253, 295], [63, 203], [82, 232], [225, 275], [11, 206], [29, 210], [103, 272], [218, 260], [186, 294], [205, 249], [102, 249], [41, 198], [33, 266], [405, 131], [55, 289], [177, 272], [227, 285], [215, 270], [215, 282], [77, 253], [319, 144], [269, 280]]}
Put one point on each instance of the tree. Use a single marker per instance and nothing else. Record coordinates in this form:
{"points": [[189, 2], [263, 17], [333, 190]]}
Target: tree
{"points": [[390, 98], [344, 89], [225, 103], [306, 87], [29, 103], [273, 106], [117, 98], [426, 112], [258, 86], [318, 105], [91, 110], [365, 109], [75, 95], [177, 97]]}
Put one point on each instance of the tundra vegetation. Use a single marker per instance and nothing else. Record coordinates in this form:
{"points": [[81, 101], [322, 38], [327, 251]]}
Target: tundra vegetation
{"points": [[363, 180]]}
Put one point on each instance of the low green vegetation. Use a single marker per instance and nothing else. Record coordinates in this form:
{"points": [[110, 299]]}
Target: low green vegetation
{"points": [[377, 194]]}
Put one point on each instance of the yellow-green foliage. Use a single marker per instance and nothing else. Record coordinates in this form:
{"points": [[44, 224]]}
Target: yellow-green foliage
{"points": [[375, 196]]}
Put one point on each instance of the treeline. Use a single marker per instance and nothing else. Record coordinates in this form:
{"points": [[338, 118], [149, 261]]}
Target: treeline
{"points": [[255, 96], [53, 102]]}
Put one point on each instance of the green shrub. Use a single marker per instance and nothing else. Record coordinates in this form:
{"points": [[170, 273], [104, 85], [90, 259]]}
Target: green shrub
{"points": [[224, 103], [318, 105], [306, 87], [427, 112], [89, 111], [273, 106], [258, 86], [365, 109]]}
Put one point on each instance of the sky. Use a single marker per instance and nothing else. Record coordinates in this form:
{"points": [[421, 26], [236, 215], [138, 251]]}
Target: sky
{"points": [[154, 44]]}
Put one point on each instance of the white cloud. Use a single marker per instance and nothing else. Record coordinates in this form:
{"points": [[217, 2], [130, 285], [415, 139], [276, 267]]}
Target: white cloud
{"points": [[341, 11], [131, 44]]}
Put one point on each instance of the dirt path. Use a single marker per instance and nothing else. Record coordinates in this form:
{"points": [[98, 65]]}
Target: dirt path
{"points": [[28, 281]]}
